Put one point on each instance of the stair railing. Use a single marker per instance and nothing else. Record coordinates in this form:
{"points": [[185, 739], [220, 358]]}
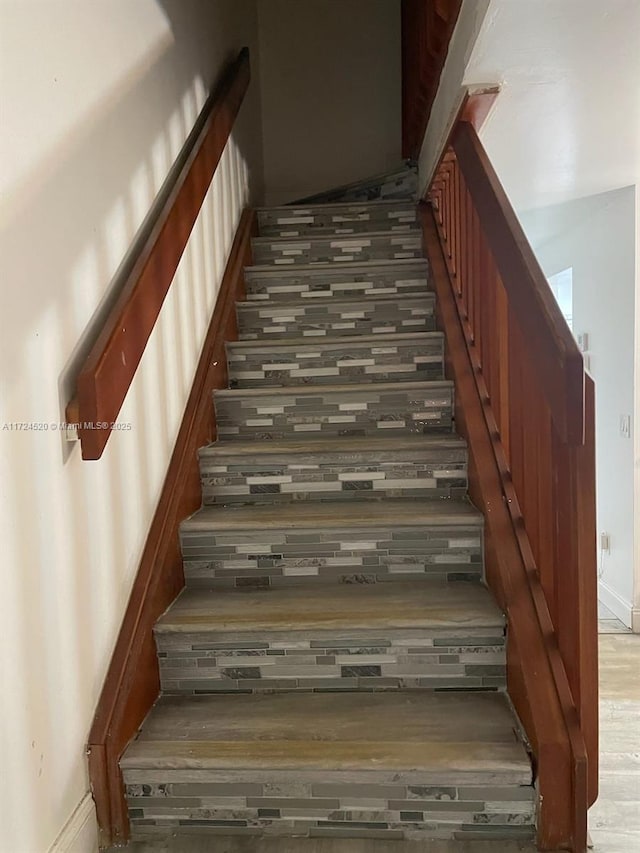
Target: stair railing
{"points": [[109, 369], [532, 442]]}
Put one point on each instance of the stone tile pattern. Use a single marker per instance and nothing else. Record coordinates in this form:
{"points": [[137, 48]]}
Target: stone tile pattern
{"points": [[355, 281], [337, 248], [438, 474], [410, 358], [274, 558], [336, 318], [334, 803], [400, 184], [192, 662], [357, 412], [338, 219], [278, 803]]}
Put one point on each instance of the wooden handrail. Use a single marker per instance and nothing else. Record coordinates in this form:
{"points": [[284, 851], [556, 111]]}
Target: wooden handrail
{"points": [[132, 681], [427, 27], [559, 365], [526, 407], [109, 369]]}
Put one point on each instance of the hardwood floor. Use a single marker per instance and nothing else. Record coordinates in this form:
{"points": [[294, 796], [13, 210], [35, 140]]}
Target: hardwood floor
{"points": [[614, 820]]}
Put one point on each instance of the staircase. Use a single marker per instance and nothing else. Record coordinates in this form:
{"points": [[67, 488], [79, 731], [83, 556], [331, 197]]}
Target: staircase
{"points": [[335, 666]]}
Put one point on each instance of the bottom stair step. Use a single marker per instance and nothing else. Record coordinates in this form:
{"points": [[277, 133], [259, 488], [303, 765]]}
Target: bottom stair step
{"points": [[387, 765]]}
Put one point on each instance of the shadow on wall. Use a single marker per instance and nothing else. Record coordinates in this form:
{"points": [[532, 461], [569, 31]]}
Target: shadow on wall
{"points": [[73, 531]]}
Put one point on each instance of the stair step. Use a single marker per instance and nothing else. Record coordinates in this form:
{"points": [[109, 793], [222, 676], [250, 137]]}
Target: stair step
{"points": [[371, 358], [344, 218], [382, 636], [351, 542], [334, 469], [404, 764], [311, 249], [401, 183], [334, 410], [379, 278], [337, 317]]}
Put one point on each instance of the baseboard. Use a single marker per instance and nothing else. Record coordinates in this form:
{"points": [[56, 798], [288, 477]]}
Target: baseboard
{"points": [[635, 620], [80, 832], [619, 606]]}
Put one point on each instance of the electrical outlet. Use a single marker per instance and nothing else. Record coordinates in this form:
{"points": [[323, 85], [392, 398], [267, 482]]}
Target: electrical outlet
{"points": [[605, 543], [625, 426]]}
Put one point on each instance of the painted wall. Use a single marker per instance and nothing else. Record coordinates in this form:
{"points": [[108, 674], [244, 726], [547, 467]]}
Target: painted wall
{"points": [[332, 113], [97, 99], [596, 237]]}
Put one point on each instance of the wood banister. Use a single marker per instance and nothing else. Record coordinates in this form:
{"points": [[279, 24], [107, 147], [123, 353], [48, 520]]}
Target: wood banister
{"points": [[526, 408], [110, 367], [560, 367]]}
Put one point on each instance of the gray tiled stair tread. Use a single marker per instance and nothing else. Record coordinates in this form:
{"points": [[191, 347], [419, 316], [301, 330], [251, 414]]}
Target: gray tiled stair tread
{"points": [[372, 607], [364, 206], [451, 737], [337, 343], [380, 388], [337, 301], [355, 268], [402, 173], [397, 513], [341, 446], [324, 238]]}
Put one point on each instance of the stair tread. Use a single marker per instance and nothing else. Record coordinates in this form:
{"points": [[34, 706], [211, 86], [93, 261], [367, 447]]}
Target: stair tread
{"points": [[392, 299], [380, 204], [338, 343], [352, 388], [269, 271], [332, 445], [361, 235], [397, 513], [451, 736], [347, 607]]}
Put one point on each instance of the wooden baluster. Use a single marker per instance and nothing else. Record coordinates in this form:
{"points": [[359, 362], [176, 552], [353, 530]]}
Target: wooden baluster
{"points": [[503, 319]]}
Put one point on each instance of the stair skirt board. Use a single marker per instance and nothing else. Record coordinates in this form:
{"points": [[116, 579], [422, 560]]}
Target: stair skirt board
{"points": [[335, 666]]}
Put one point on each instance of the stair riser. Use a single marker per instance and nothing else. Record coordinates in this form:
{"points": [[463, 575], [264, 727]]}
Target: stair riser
{"points": [[406, 805], [345, 219], [356, 413], [336, 249], [437, 474], [410, 360], [199, 663], [285, 557], [367, 317], [357, 281]]}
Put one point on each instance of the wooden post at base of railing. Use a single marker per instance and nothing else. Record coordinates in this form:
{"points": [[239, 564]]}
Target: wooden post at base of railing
{"points": [[538, 412]]}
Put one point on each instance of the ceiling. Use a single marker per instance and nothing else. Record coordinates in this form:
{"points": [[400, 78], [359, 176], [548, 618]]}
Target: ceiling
{"points": [[569, 107]]}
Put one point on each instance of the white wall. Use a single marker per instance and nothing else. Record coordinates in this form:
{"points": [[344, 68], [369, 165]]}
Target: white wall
{"points": [[97, 99], [330, 78], [596, 236]]}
